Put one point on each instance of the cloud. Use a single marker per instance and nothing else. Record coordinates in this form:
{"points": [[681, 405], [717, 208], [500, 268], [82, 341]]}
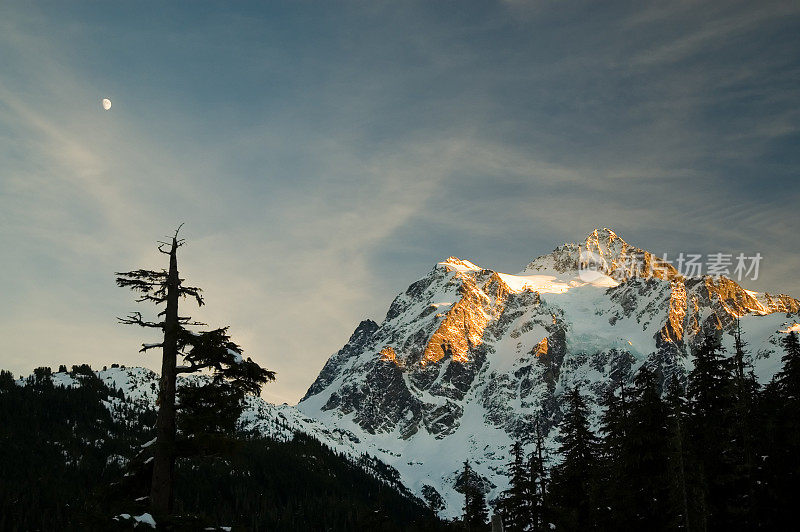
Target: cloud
{"points": [[704, 27]]}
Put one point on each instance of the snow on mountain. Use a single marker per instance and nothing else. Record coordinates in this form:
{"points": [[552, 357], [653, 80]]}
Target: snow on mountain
{"points": [[468, 359], [140, 388]]}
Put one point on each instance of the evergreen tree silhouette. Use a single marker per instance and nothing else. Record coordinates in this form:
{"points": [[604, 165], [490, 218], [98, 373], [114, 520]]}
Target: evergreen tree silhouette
{"points": [[537, 485], [475, 513], [573, 481], [208, 350], [515, 502], [676, 407], [616, 504], [710, 394], [647, 456]]}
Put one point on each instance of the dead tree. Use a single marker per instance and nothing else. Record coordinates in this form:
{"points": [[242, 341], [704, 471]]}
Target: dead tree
{"points": [[212, 351]]}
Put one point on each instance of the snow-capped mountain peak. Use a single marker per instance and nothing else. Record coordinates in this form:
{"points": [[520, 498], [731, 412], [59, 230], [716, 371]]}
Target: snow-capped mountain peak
{"points": [[469, 359], [458, 265], [605, 252]]}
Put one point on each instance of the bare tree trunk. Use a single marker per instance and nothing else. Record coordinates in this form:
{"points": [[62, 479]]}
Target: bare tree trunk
{"points": [[161, 494]]}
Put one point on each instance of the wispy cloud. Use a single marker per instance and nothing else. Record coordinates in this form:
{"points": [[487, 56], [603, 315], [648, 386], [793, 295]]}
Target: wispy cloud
{"points": [[323, 160]]}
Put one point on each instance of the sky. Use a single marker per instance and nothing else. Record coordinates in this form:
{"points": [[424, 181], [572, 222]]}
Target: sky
{"points": [[325, 155]]}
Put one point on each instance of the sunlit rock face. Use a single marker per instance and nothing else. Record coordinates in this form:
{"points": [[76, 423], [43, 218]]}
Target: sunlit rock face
{"points": [[469, 359], [481, 301], [612, 255]]}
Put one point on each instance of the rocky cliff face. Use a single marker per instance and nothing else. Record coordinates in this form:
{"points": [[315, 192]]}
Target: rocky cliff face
{"points": [[467, 359]]}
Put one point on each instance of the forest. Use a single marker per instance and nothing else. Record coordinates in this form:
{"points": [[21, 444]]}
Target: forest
{"points": [[713, 451], [67, 464]]}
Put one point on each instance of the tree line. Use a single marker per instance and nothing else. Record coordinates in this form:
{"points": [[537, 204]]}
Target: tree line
{"points": [[711, 451], [68, 463]]}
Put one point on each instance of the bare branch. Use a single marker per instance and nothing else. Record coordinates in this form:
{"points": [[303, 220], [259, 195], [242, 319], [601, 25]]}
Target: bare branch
{"points": [[146, 347], [135, 318], [184, 320], [154, 299]]}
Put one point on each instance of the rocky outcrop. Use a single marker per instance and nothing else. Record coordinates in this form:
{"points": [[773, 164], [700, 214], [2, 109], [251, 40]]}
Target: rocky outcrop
{"points": [[782, 303], [353, 348], [463, 325]]}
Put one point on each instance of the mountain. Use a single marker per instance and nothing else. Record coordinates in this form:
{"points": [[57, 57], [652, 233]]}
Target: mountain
{"points": [[468, 359]]}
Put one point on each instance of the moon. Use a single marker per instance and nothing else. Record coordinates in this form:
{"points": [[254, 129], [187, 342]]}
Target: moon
{"points": [[106, 104]]}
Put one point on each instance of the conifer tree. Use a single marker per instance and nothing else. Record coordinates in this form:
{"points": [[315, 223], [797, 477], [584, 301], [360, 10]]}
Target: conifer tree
{"points": [[780, 403], [677, 413], [744, 421], [745, 384], [476, 513], [515, 502], [710, 394], [788, 378], [614, 468], [6, 380], [647, 456], [572, 484], [479, 513], [537, 487], [614, 420], [211, 351]]}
